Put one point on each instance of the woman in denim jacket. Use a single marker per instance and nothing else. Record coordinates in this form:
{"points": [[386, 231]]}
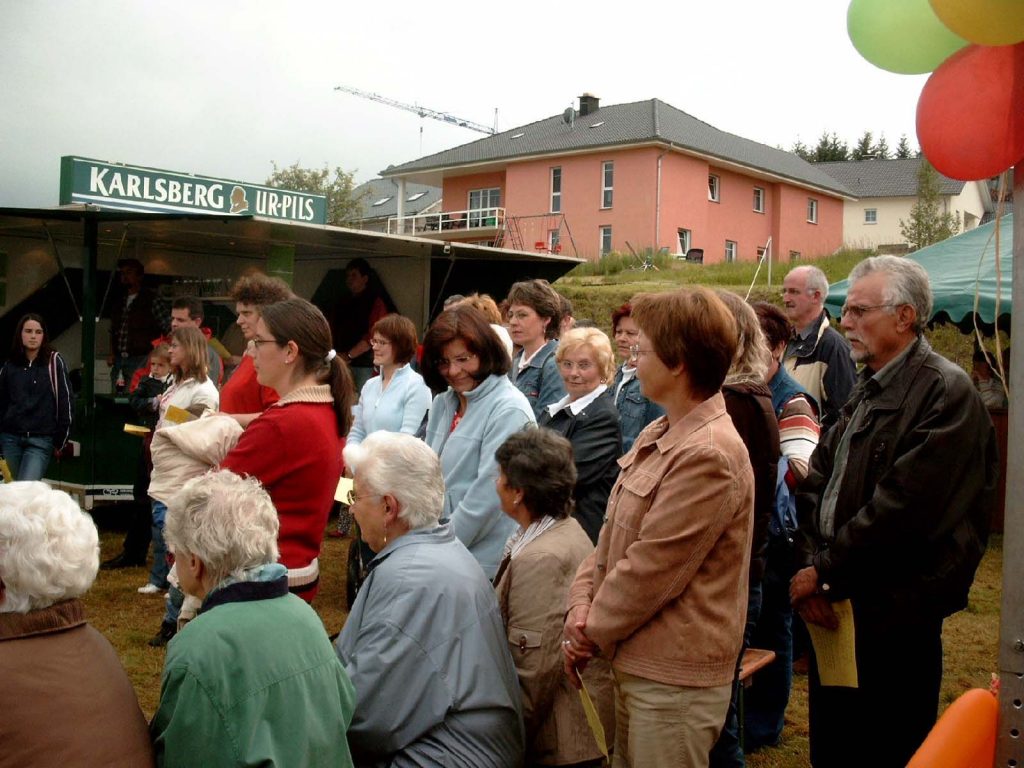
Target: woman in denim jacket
{"points": [[534, 314], [635, 410]]}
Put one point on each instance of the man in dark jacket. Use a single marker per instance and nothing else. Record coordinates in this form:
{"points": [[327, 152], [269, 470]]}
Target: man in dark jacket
{"points": [[818, 357], [894, 518], [134, 323]]}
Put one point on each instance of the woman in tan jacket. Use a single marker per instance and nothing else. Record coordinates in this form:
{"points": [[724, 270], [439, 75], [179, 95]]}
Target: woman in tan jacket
{"points": [[664, 595], [535, 484]]}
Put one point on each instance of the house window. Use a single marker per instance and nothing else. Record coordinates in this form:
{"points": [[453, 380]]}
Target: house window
{"points": [[730, 251], [482, 203], [761, 251], [870, 215], [685, 237], [607, 173], [758, 199], [812, 211], [414, 197], [554, 241], [381, 201], [794, 255], [713, 188], [606, 240], [556, 190]]}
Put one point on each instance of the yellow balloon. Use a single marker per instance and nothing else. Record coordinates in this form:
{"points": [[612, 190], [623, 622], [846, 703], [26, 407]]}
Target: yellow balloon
{"points": [[984, 22]]}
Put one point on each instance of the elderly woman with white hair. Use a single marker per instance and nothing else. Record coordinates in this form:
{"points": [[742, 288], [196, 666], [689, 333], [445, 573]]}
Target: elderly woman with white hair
{"points": [[424, 644], [253, 679], [65, 697], [587, 416]]}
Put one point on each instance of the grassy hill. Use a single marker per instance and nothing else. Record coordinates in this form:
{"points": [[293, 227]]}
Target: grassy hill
{"points": [[595, 289]]}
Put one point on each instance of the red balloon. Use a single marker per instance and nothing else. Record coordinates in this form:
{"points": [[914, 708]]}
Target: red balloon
{"points": [[970, 116]]}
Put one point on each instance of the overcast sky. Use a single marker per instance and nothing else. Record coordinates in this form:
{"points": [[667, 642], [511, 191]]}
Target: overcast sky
{"points": [[224, 88]]}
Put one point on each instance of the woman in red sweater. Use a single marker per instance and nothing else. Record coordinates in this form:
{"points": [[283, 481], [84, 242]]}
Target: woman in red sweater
{"points": [[294, 447]]}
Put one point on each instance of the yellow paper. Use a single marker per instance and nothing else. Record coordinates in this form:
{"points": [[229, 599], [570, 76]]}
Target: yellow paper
{"points": [[593, 719], [5, 471], [178, 415], [135, 429], [344, 486], [835, 649]]}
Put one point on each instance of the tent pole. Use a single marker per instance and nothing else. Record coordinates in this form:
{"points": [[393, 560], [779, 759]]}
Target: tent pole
{"points": [[1009, 747]]}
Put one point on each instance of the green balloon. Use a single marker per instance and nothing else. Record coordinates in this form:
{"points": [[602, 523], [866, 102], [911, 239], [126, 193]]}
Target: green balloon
{"points": [[903, 36]]}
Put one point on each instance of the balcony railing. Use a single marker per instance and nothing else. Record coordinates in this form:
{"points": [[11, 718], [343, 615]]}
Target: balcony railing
{"points": [[433, 224]]}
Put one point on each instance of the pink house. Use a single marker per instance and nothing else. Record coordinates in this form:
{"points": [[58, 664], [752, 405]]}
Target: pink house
{"points": [[628, 176]]}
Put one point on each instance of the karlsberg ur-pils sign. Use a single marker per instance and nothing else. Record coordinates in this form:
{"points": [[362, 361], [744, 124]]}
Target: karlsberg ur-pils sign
{"points": [[130, 188]]}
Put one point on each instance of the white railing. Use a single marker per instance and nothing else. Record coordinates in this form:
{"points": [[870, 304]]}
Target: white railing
{"points": [[438, 224]]}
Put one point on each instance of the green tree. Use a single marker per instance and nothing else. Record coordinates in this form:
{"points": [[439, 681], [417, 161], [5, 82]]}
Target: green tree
{"points": [[928, 223], [343, 206], [881, 148], [829, 148], [863, 148], [903, 148], [800, 150]]}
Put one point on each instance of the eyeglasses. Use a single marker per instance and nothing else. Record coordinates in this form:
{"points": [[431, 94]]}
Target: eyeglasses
{"points": [[857, 311], [255, 343], [583, 366], [351, 497], [635, 351], [380, 343], [462, 361]]}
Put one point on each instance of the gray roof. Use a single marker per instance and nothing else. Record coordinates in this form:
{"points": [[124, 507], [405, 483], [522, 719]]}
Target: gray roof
{"points": [[622, 125], [375, 190], [885, 178]]}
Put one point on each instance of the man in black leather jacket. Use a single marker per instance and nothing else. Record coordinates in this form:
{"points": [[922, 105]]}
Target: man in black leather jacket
{"points": [[894, 516]]}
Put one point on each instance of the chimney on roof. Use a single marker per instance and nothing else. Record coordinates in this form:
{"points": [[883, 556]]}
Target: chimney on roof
{"points": [[589, 104]]}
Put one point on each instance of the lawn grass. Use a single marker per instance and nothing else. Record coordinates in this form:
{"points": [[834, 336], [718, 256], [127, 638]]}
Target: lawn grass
{"points": [[595, 296], [129, 619]]}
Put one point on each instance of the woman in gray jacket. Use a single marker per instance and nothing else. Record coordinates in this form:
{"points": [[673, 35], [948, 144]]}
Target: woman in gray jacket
{"points": [[424, 644]]}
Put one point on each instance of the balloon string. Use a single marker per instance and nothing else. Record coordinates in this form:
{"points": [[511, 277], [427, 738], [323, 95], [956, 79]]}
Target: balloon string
{"points": [[999, 291]]}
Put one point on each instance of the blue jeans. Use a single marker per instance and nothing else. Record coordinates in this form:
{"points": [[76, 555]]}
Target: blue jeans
{"points": [[158, 573], [175, 598], [27, 457], [765, 703]]}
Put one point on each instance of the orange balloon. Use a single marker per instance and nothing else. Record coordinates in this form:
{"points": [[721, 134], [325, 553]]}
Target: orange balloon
{"points": [[985, 22], [970, 122], [965, 735]]}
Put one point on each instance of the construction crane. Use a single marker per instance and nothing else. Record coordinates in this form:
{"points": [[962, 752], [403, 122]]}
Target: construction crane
{"points": [[444, 117]]}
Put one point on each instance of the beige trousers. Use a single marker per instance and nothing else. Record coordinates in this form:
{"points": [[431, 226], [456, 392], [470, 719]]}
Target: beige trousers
{"points": [[669, 726]]}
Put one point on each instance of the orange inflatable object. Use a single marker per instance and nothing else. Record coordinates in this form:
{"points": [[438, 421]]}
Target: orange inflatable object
{"points": [[964, 737]]}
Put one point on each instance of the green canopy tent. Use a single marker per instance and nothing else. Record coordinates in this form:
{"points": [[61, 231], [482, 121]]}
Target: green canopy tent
{"points": [[960, 267]]}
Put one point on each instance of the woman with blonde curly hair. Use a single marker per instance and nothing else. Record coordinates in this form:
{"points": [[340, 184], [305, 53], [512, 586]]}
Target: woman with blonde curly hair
{"points": [[588, 418], [490, 309]]}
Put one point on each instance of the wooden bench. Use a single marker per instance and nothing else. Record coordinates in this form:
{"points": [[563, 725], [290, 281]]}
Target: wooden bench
{"points": [[754, 660]]}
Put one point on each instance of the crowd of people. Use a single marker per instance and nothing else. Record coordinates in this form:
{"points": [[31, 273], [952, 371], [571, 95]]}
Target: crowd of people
{"points": [[565, 556]]}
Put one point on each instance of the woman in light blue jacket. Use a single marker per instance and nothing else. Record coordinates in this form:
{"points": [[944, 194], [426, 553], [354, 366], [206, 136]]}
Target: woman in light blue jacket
{"points": [[468, 422], [397, 399]]}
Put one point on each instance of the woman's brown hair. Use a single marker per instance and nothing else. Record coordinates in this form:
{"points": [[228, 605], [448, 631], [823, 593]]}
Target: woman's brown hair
{"points": [[401, 333], [197, 360], [468, 324], [298, 321]]}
